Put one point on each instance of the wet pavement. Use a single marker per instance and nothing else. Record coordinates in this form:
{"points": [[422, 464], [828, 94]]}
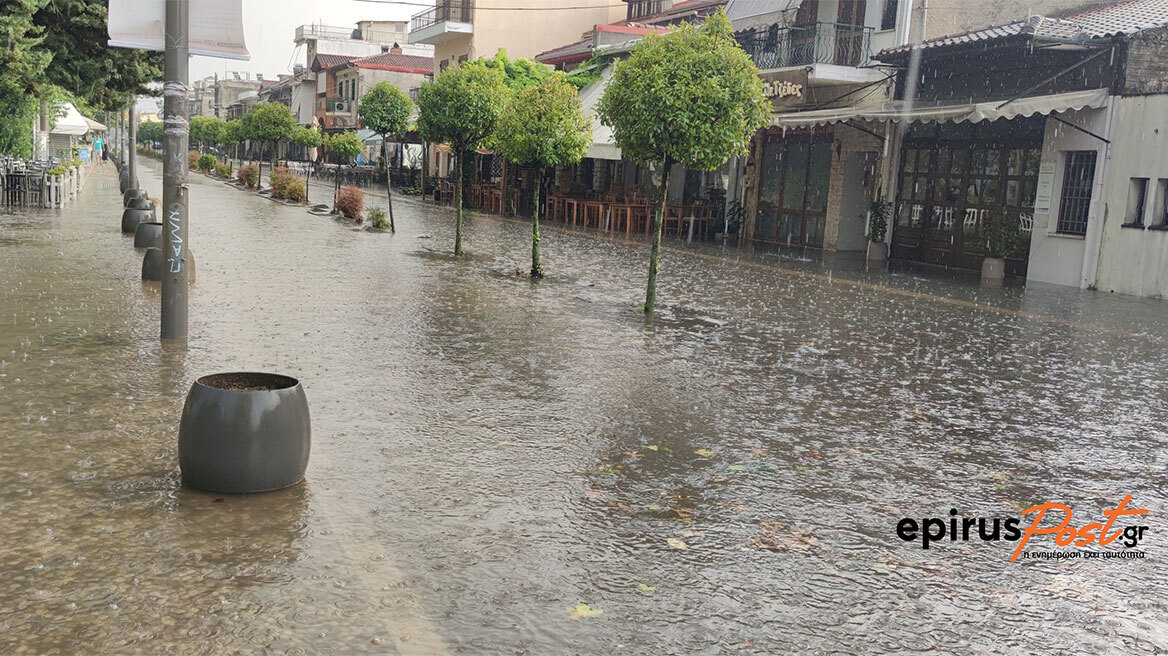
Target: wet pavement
{"points": [[501, 467]]}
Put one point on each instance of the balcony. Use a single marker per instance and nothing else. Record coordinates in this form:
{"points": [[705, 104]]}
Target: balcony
{"points": [[325, 32], [448, 19], [834, 44]]}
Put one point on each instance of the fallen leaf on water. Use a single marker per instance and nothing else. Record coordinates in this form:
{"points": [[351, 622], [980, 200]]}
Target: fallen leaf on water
{"points": [[583, 611], [652, 447], [705, 453], [736, 468], [676, 544], [653, 506], [646, 588]]}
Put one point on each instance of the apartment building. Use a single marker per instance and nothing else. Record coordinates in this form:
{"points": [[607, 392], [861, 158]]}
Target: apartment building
{"points": [[461, 30]]}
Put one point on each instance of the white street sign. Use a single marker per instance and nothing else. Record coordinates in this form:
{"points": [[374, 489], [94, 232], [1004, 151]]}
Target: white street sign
{"points": [[216, 26]]}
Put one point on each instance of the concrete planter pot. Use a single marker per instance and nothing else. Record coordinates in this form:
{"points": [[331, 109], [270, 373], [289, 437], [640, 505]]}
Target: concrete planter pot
{"points": [[131, 194], [148, 235], [877, 251], [124, 180], [244, 432], [132, 217], [153, 264], [140, 203], [993, 269]]}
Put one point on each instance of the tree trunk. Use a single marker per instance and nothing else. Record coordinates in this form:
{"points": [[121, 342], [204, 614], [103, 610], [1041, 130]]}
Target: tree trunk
{"points": [[655, 254], [507, 209], [458, 208], [425, 165], [388, 183], [307, 175], [536, 268]]}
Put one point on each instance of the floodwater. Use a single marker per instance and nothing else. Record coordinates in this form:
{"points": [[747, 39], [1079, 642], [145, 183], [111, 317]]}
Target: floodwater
{"points": [[489, 454]]}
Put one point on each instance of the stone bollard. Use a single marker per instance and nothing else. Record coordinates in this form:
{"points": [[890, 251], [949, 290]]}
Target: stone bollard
{"points": [[132, 217], [148, 235]]}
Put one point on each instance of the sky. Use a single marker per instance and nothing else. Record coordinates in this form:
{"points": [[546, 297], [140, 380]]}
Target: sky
{"points": [[269, 27]]}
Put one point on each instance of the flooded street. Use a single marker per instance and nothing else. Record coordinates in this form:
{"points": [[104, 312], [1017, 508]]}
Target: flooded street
{"points": [[501, 467]]}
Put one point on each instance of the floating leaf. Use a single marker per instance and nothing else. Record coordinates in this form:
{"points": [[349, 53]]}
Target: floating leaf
{"points": [[646, 588], [705, 453], [652, 447], [653, 506], [584, 611], [736, 468], [674, 543]]}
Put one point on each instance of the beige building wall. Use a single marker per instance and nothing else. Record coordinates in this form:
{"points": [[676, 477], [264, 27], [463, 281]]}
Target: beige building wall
{"points": [[525, 33], [957, 17]]}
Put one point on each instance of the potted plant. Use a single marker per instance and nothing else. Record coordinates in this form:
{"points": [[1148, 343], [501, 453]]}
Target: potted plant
{"points": [[1001, 236], [244, 432], [879, 212]]}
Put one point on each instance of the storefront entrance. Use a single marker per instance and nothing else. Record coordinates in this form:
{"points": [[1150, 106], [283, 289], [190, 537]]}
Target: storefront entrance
{"points": [[794, 175], [951, 175]]}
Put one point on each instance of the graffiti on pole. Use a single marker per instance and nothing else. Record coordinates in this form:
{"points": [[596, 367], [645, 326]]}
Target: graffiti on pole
{"points": [[174, 223]]}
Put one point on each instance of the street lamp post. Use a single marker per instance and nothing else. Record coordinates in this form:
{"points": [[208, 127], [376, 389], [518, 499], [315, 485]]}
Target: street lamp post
{"points": [[174, 172]]}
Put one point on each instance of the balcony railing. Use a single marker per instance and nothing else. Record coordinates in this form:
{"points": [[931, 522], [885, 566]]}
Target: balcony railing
{"points": [[324, 32], [814, 43], [459, 11]]}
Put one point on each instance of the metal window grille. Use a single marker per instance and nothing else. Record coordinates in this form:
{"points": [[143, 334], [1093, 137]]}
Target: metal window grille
{"points": [[1078, 179]]}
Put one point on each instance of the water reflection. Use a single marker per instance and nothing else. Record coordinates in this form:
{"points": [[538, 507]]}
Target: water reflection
{"points": [[489, 453]]}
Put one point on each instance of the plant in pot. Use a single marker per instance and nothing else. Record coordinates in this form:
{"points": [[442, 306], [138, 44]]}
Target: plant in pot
{"points": [[1001, 236], [878, 230]]}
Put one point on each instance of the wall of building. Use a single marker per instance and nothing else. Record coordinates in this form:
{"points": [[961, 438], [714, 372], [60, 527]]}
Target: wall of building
{"points": [[1135, 260], [525, 33], [1058, 258], [957, 17], [1145, 68]]}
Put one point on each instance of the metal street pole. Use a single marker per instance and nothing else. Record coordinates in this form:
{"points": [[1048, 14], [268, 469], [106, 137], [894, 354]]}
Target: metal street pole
{"points": [[133, 145], [174, 172]]}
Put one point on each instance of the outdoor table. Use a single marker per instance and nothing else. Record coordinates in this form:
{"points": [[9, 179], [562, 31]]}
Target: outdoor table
{"points": [[571, 207], [594, 212]]}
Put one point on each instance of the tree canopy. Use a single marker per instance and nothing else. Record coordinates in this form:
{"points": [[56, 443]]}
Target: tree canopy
{"points": [[343, 145], [385, 109], [518, 74], [691, 96], [207, 130], [149, 132], [269, 121], [462, 106], [233, 132], [306, 137], [544, 125]]}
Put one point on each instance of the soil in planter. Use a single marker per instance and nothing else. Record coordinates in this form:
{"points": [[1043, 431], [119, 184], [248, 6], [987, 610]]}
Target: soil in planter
{"points": [[245, 381]]}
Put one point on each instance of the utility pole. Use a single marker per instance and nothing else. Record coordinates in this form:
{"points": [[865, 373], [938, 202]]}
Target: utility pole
{"points": [[175, 247], [133, 145]]}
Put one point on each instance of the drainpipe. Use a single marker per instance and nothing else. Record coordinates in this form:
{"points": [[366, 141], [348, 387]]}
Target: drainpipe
{"points": [[1093, 243]]}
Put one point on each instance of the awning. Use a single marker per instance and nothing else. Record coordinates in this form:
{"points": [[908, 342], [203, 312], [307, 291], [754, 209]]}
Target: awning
{"points": [[70, 122], [926, 112], [369, 137], [94, 126], [603, 144]]}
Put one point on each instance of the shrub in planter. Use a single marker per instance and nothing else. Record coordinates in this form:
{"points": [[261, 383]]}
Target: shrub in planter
{"points": [[280, 179], [294, 190], [192, 159], [1000, 233], [878, 225], [377, 219], [248, 175], [223, 170], [351, 202], [206, 163], [56, 170]]}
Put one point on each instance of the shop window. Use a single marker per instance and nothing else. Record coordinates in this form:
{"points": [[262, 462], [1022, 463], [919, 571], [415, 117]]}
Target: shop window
{"points": [[1075, 201], [1137, 201]]}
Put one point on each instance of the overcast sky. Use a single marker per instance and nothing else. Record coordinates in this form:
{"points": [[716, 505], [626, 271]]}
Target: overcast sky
{"points": [[270, 25]]}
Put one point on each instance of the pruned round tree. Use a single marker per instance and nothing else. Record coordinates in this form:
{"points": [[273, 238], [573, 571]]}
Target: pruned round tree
{"points": [[386, 110], [307, 138], [691, 97], [461, 109], [344, 147], [543, 125], [271, 123]]}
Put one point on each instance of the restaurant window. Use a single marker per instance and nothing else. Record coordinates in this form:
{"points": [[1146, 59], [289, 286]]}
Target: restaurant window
{"points": [[1075, 202], [443, 65], [795, 173], [1137, 202]]}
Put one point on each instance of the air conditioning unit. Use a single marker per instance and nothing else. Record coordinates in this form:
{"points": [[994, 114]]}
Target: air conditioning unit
{"points": [[339, 106]]}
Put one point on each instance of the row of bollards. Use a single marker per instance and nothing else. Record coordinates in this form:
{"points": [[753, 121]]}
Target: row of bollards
{"points": [[240, 432], [139, 218]]}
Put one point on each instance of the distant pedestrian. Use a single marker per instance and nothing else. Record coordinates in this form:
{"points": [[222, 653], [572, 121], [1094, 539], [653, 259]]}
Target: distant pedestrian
{"points": [[98, 150]]}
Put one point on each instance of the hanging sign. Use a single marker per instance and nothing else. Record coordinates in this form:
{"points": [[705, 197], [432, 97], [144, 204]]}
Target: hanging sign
{"points": [[1042, 196], [216, 26]]}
